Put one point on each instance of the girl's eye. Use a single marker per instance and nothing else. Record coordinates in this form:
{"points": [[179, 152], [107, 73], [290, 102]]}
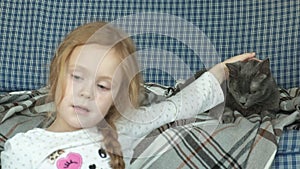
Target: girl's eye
{"points": [[103, 87], [76, 77]]}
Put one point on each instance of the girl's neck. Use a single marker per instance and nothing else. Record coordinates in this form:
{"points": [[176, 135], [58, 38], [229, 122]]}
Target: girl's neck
{"points": [[59, 127]]}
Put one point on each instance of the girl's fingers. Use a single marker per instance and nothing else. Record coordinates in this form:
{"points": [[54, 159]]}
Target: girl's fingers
{"points": [[242, 57], [246, 56]]}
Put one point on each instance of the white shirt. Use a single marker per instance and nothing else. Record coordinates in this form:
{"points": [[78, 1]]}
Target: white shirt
{"points": [[81, 148], [33, 149]]}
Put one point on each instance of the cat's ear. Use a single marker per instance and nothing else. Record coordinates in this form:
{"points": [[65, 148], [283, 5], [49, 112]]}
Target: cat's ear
{"points": [[264, 67], [234, 69], [263, 70]]}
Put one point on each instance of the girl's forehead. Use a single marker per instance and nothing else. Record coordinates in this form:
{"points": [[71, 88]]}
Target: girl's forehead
{"points": [[94, 52], [95, 58]]}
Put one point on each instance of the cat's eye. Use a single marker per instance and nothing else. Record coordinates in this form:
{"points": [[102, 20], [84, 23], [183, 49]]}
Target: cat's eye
{"points": [[236, 90], [253, 92]]}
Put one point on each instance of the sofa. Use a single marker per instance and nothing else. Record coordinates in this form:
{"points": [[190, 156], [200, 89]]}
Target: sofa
{"points": [[174, 39]]}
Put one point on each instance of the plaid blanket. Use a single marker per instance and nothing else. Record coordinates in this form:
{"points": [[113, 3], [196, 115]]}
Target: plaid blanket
{"points": [[22, 111], [247, 143], [189, 143]]}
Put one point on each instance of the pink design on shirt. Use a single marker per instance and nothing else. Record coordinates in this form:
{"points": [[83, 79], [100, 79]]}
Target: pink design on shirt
{"points": [[72, 161]]}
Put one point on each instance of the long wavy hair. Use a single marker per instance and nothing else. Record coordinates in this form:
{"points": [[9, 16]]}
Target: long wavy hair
{"points": [[103, 34]]}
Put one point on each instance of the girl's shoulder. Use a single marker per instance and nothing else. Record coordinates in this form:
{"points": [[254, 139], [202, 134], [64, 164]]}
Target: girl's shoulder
{"points": [[22, 143], [28, 137]]}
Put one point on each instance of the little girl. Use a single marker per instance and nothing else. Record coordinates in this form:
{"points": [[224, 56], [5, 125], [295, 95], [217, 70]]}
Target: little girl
{"points": [[95, 84]]}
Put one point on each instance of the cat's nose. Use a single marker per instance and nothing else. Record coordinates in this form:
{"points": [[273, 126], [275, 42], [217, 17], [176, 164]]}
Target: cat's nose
{"points": [[243, 100]]}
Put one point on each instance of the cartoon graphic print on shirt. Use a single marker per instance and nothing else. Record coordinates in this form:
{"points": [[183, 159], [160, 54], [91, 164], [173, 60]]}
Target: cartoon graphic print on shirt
{"points": [[102, 154], [52, 157], [72, 161], [93, 166]]}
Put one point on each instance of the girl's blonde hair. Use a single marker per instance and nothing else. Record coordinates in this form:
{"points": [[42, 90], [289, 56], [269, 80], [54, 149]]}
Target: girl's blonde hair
{"points": [[103, 34]]}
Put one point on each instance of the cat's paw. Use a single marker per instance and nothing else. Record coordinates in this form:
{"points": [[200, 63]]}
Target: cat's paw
{"points": [[267, 114], [228, 116]]}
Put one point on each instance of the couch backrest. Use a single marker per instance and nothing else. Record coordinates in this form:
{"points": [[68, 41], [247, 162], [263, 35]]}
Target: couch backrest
{"points": [[174, 38]]}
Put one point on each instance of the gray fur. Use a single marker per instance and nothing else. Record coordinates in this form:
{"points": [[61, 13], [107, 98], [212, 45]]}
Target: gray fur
{"points": [[251, 89]]}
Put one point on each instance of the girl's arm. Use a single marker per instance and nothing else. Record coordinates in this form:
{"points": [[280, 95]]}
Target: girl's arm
{"points": [[201, 95]]}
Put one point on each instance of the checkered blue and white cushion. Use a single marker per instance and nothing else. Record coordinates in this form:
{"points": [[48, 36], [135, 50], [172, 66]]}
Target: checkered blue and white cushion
{"points": [[174, 38]]}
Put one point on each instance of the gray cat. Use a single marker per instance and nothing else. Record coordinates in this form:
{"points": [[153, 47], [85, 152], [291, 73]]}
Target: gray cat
{"points": [[251, 89]]}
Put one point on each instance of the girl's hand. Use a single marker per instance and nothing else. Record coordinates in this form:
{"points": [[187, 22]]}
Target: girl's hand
{"points": [[242, 57], [221, 72]]}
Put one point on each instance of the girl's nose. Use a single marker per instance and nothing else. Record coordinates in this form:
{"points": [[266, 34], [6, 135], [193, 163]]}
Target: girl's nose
{"points": [[87, 92]]}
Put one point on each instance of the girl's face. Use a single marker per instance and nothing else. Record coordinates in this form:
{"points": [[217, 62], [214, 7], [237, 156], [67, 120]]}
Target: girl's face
{"points": [[89, 85]]}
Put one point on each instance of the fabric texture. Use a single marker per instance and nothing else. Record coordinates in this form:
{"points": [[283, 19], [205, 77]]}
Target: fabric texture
{"points": [[198, 132], [78, 149], [205, 143], [288, 154], [174, 38], [247, 143], [205, 91]]}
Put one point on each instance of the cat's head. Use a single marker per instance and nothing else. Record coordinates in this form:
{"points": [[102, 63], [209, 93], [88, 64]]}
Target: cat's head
{"points": [[249, 81]]}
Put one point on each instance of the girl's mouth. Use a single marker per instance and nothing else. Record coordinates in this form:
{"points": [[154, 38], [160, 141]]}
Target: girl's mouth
{"points": [[81, 110]]}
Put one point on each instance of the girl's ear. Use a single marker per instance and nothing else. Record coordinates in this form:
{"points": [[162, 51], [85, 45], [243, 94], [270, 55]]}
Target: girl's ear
{"points": [[264, 67], [234, 69]]}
